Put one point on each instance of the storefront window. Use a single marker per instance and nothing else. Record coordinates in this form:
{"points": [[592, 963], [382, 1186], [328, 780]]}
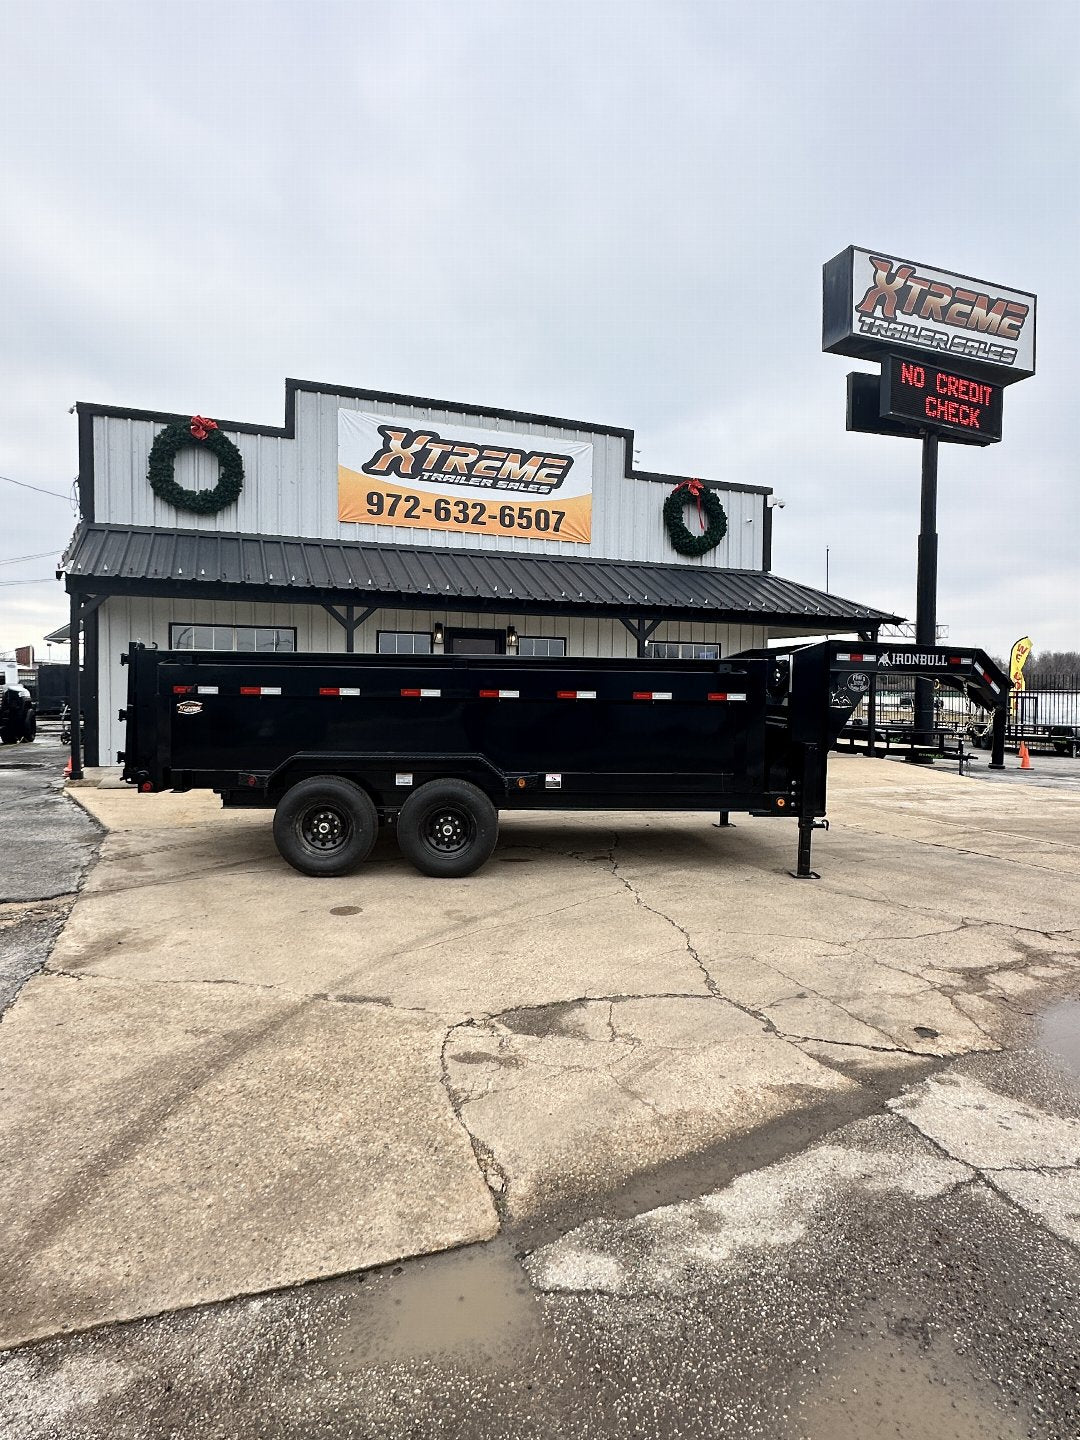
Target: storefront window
{"points": [[541, 645], [266, 639], [683, 650], [403, 642]]}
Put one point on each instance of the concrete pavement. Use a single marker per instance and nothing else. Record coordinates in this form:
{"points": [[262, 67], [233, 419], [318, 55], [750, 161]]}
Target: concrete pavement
{"points": [[616, 1013], [46, 843]]}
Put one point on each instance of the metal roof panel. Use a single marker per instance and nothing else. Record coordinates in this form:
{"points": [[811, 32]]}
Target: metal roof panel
{"points": [[115, 558]]}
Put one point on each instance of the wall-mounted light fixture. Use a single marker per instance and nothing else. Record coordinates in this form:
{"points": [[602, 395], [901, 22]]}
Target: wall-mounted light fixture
{"points": [[511, 639], [437, 633]]}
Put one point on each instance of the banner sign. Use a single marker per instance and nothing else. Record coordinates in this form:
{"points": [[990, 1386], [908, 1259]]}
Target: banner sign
{"points": [[454, 477], [940, 399], [875, 303], [1017, 656]]}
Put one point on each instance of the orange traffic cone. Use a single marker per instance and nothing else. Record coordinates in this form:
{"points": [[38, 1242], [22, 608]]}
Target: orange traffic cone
{"points": [[1025, 758]]}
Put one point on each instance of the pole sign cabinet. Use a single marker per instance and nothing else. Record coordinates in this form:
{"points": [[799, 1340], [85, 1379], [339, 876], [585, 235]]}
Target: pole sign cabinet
{"points": [[954, 403], [947, 344]]}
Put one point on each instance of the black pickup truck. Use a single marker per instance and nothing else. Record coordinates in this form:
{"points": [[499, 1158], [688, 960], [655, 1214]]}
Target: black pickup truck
{"points": [[436, 746], [18, 716]]}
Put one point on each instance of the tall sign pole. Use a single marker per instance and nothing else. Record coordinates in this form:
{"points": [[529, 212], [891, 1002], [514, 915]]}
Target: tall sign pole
{"points": [[926, 583], [947, 345]]}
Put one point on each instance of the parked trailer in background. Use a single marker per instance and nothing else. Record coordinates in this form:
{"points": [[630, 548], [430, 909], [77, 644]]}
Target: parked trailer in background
{"points": [[436, 745]]}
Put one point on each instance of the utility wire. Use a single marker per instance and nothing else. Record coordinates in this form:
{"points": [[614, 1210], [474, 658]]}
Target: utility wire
{"points": [[40, 490], [17, 559], [41, 580]]}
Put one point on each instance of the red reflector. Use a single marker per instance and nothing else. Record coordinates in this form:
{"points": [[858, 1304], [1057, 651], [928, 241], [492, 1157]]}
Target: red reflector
{"points": [[327, 690], [182, 689], [252, 780], [249, 689], [410, 692], [642, 694], [855, 657], [146, 787], [716, 696], [956, 660], [489, 694], [565, 694]]}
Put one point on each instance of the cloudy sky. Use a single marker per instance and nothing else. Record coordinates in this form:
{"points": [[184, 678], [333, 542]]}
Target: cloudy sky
{"points": [[616, 212]]}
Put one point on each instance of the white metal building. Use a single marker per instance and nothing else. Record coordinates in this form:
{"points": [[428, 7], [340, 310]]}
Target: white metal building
{"points": [[510, 533]]}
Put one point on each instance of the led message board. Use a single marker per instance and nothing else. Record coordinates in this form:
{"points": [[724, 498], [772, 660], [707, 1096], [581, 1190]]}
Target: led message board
{"points": [[876, 304], [864, 415], [942, 400]]}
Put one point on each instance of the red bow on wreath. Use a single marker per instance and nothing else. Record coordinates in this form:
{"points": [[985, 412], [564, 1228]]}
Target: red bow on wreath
{"points": [[694, 488], [201, 426]]}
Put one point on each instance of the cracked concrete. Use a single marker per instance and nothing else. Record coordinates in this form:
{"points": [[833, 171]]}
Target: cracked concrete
{"points": [[947, 1131], [619, 1086], [630, 993]]}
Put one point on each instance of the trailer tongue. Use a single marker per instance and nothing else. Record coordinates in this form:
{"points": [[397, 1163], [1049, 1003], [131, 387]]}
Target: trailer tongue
{"points": [[435, 746]]}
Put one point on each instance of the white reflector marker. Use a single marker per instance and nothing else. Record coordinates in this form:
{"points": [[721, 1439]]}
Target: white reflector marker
{"points": [[726, 695], [207, 689], [500, 694], [422, 694], [992, 683], [334, 690], [652, 694], [575, 695], [260, 689]]}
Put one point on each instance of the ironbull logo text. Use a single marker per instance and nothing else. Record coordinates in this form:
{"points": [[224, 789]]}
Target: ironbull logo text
{"points": [[900, 291], [415, 453], [904, 657]]}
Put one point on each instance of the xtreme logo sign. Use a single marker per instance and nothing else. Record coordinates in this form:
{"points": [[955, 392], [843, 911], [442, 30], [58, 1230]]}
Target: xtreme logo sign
{"points": [[419, 454], [902, 291]]}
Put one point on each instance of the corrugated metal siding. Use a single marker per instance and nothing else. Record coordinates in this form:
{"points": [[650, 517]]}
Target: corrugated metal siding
{"points": [[290, 488], [122, 619]]}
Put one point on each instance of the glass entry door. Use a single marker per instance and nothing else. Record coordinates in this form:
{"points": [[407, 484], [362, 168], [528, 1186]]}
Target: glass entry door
{"points": [[475, 642]]}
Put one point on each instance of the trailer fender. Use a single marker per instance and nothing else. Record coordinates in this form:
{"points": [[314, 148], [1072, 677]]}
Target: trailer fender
{"points": [[387, 777]]}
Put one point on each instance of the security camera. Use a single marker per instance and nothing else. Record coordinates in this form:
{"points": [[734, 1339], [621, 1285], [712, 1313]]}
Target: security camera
{"points": [[775, 503]]}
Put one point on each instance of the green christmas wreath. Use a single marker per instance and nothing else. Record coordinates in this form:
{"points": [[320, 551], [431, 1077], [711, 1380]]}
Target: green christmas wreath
{"points": [[710, 512], [204, 434]]}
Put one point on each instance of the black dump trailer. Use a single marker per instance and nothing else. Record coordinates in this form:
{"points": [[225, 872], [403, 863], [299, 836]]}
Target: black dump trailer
{"points": [[436, 746]]}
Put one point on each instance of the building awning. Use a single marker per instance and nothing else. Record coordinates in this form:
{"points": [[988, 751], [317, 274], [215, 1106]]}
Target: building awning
{"points": [[140, 560]]}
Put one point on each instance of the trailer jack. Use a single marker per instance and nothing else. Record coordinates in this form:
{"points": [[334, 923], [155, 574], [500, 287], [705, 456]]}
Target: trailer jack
{"points": [[807, 826]]}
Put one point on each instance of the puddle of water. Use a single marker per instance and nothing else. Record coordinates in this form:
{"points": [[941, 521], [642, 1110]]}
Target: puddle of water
{"points": [[1059, 1032], [893, 1389], [472, 1304]]}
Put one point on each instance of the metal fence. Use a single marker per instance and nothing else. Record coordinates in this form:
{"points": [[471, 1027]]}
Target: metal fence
{"points": [[1048, 717]]}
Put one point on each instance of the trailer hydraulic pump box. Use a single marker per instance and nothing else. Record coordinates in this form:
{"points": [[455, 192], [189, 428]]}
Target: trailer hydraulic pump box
{"points": [[436, 746]]}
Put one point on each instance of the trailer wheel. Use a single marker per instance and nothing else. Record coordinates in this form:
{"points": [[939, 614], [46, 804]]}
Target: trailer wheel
{"points": [[447, 828], [325, 826], [30, 725]]}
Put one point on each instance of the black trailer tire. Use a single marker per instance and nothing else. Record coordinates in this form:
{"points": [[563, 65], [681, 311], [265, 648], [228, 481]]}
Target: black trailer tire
{"points": [[447, 828], [30, 725], [8, 735], [325, 826]]}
